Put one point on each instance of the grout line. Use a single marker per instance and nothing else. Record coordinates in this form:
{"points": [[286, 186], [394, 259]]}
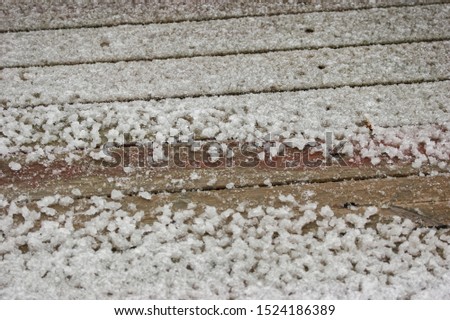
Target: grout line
{"points": [[222, 54], [229, 17], [237, 93]]}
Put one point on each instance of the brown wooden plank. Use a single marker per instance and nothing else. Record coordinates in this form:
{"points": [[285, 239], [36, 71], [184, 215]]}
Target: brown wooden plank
{"points": [[426, 191], [227, 75], [91, 177], [393, 197]]}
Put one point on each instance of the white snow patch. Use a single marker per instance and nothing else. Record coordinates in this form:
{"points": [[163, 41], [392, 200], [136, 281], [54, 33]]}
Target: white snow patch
{"points": [[116, 195], [246, 252], [15, 166], [145, 195], [194, 176], [66, 201], [211, 182]]}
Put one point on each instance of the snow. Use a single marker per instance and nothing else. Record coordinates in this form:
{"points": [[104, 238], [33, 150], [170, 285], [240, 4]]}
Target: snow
{"points": [[47, 201], [221, 81], [116, 195], [194, 176], [402, 121], [212, 182], [224, 36], [66, 201], [145, 195], [15, 166], [249, 253], [225, 75], [51, 15]]}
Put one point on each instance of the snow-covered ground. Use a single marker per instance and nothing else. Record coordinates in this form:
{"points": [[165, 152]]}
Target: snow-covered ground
{"points": [[259, 253], [380, 83]]}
